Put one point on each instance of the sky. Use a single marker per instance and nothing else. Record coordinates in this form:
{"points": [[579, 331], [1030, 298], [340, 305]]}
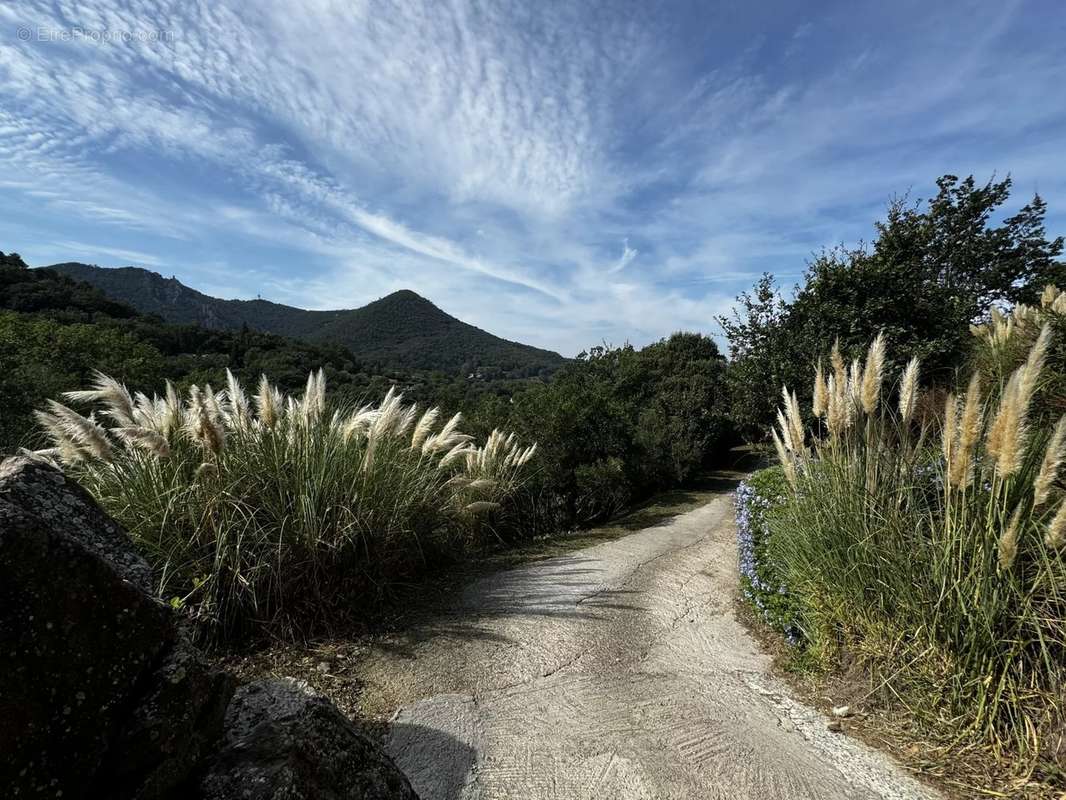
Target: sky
{"points": [[562, 174]]}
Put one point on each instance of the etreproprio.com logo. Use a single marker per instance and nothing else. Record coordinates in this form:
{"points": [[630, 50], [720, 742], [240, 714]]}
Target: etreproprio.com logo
{"points": [[43, 33]]}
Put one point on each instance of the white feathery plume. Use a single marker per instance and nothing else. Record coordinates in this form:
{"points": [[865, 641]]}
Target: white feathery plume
{"points": [[820, 398], [237, 407], [268, 402], [908, 392], [83, 432], [1054, 455], [114, 396], [870, 392], [143, 438], [424, 427]]}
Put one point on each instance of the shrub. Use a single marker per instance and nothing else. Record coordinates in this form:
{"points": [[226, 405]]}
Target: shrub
{"points": [[947, 567], [762, 584], [617, 424], [1003, 344], [281, 510]]}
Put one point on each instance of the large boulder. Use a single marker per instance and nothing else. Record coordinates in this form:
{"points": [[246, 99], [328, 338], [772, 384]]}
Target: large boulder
{"points": [[175, 725], [79, 634], [103, 695], [284, 742]]}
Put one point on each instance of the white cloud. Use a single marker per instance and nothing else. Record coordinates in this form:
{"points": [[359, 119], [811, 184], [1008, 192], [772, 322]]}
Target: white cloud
{"points": [[493, 157], [628, 254]]}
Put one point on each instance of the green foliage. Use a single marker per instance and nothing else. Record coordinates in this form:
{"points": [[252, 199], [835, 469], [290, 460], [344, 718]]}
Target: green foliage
{"points": [[41, 357], [401, 332], [931, 272], [1002, 345], [618, 423], [289, 517], [58, 330], [762, 357], [763, 585], [936, 552]]}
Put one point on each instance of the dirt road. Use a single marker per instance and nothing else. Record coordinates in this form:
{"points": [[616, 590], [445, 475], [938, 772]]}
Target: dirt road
{"points": [[618, 671]]}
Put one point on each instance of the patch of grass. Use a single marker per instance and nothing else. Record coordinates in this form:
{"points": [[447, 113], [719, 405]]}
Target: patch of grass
{"points": [[279, 513], [933, 555]]}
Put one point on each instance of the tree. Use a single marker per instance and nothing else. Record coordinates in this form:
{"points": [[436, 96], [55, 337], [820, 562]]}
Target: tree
{"points": [[760, 357], [930, 273], [618, 423], [12, 260]]}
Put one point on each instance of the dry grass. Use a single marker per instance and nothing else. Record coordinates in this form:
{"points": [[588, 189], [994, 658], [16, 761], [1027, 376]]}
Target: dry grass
{"points": [[282, 512], [935, 552]]}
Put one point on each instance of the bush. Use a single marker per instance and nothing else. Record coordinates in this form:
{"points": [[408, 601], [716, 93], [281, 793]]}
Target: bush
{"points": [[287, 514], [618, 424], [932, 270], [1004, 342], [936, 552], [762, 583]]}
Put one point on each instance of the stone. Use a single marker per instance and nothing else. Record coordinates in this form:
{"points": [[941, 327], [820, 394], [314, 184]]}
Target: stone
{"points": [[79, 635], [104, 695], [285, 742], [176, 724], [70, 511]]}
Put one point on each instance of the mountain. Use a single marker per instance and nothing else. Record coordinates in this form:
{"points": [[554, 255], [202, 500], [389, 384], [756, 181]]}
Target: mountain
{"points": [[400, 331]]}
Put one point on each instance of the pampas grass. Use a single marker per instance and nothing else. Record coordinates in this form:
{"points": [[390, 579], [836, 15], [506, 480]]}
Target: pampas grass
{"points": [[945, 565], [1054, 455], [908, 392], [280, 511]]}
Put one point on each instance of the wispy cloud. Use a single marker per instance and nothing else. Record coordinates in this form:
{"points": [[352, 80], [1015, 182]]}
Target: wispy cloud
{"points": [[494, 156]]}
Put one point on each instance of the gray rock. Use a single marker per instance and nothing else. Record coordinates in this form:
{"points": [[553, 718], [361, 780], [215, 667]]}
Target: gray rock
{"points": [[78, 633], [176, 724], [70, 511], [284, 742], [102, 694]]}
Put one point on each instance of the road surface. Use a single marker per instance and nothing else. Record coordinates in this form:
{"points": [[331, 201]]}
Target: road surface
{"points": [[618, 671]]}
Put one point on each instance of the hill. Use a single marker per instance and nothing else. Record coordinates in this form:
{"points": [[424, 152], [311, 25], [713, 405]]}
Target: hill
{"points": [[400, 331], [56, 330]]}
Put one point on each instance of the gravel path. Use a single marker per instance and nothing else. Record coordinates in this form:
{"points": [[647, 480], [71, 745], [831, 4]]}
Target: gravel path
{"points": [[618, 671]]}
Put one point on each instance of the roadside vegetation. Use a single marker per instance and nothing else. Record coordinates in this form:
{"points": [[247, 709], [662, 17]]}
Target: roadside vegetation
{"points": [[915, 524], [278, 510]]}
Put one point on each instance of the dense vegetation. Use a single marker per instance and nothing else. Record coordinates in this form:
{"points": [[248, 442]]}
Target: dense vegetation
{"points": [[617, 424], [915, 525], [930, 273], [932, 549], [400, 332], [55, 332], [241, 543], [279, 511]]}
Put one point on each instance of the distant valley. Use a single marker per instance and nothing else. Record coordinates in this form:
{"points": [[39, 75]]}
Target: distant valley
{"points": [[400, 331]]}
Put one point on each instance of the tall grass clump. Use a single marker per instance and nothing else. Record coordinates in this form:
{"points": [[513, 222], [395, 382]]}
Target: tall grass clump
{"points": [[936, 549], [279, 511]]}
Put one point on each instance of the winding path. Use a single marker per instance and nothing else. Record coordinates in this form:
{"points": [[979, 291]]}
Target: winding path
{"points": [[618, 671]]}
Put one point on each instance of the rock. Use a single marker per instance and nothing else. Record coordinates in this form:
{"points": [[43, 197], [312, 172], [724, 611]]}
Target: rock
{"points": [[103, 694], [176, 724], [284, 742], [70, 511], [78, 633]]}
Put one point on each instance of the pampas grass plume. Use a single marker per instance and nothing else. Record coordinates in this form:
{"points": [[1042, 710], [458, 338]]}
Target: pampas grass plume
{"points": [[1049, 467]]}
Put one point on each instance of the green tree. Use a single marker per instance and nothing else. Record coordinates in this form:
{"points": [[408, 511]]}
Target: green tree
{"points": [[41, 358], [932, 271], [761, 357]]}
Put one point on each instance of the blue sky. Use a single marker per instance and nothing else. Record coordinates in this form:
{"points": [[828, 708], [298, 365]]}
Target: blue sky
{"points": [[558, 173]]}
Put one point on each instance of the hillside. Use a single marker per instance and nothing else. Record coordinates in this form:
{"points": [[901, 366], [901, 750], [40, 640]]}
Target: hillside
{"points": [[400, 331], [55, 331]]}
